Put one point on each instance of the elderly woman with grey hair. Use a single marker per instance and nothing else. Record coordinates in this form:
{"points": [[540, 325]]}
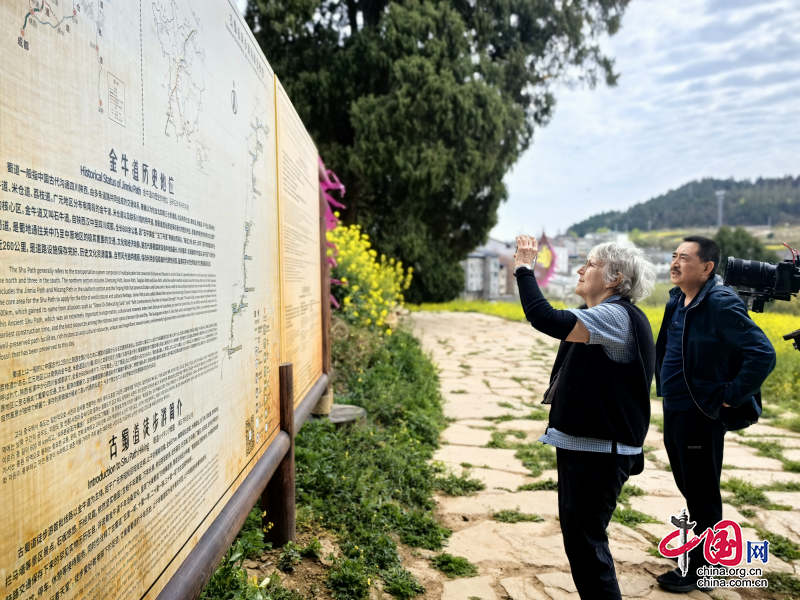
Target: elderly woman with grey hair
{"points": [[599, 395]]}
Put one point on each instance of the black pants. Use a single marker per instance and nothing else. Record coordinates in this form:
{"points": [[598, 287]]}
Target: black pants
{"points": [[694, 445], [588, 486]]}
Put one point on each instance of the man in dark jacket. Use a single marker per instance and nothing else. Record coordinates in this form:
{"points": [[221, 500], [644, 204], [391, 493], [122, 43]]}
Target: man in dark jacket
{"points": [[711, 360]]}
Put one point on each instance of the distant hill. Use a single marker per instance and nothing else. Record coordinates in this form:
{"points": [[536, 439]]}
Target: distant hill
{"points": [[695, 205]]}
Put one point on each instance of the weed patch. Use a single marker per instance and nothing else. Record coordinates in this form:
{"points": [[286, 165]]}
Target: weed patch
{"points": [[370, 484], [631, 518], [401, 584], [515, 516], [779, 545], [629, 491], [783, 583], [508, 405], [459, 485], [745, 493], [535, 456], [548, 485], [454, 566]]}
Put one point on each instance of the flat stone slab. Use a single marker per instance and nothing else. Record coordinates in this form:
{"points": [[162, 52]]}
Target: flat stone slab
{"points": [[499, 479], [792, 454], [522, 588], [745, 458], [558, 580], [532, 544], [494, 458], [761, 477], [786, 498], [544, 504], [662, 508], [785, 523], [478, 406], [558, 594], [635, 586], [655, 482], [461, 435], [761, 429], [471, 587]]}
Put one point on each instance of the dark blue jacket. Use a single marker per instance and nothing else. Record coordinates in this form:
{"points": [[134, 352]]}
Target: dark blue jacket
{"points": [[726, 356]]}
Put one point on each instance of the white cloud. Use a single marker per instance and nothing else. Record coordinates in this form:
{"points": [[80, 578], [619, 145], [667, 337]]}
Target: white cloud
{"points": [[708, 89]]}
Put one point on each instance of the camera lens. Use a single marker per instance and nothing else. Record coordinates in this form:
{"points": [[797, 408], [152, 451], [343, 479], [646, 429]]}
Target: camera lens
{"points": [[749, 273]]}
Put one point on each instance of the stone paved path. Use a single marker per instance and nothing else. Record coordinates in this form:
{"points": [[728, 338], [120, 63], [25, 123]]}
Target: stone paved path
{"points": [[491, 367]]}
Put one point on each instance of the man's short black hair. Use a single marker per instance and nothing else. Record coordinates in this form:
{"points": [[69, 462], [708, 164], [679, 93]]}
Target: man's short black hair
{"points": [[708, 251]]}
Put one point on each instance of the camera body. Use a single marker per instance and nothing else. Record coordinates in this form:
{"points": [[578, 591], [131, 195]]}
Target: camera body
{"points": [[758, 282]]}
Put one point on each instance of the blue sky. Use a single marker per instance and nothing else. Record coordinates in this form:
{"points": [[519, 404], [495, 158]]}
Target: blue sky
{"points": [[708, 88]]}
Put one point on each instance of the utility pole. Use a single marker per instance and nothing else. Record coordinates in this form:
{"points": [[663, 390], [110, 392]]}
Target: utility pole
{"points": [[720, 198]]}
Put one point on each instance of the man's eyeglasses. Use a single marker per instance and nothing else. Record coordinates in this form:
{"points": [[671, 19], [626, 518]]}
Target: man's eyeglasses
{"points": [[588, 264]]}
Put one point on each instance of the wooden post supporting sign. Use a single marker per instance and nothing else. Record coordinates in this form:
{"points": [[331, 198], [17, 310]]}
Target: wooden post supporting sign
{"points": [[277, 501]]}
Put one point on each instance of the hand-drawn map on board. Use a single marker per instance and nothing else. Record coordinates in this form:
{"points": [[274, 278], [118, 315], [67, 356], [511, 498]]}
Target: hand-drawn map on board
{"points": [[298, 199], [139, 286]]}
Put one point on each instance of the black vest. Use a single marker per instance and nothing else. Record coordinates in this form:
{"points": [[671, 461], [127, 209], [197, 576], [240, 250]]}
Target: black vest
{"points": [[593, 396]]}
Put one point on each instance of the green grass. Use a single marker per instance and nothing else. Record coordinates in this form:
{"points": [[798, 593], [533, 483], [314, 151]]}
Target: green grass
{"points": [[781, 486], [535, 456], [792, 424], [369, 485], [631, 518], [459, 485], [779, 545], [548, 485], [746, 494], [401, 584], [784, 583], [515, 516], [629, 491], [747, 513], [658, 422], [454, 566], [505, 404], [773, 449]]}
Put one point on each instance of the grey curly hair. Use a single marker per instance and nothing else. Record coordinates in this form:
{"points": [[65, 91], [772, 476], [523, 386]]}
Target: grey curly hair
{"points": [[638, 273]]}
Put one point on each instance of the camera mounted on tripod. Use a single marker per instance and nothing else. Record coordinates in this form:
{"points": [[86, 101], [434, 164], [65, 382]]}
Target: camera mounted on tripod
{"points": [[759, 282]]}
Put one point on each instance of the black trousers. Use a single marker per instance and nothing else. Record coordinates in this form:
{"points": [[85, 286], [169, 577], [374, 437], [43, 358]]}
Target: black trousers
{"points": [[694, 444], [588, 486]]}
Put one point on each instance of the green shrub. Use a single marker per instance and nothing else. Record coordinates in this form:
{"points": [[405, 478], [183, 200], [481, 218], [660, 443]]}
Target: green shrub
{"points": [[459, 485], [515, 516], [454, 566], [401, 584], [289, 557], [349, 580]]}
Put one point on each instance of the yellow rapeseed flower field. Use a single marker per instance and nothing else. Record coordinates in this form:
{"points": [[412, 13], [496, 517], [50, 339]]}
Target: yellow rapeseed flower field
{"points": [[372, 287]]}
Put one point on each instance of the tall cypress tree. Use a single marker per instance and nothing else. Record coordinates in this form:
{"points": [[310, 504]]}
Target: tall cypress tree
{"points": [[422, 106]]}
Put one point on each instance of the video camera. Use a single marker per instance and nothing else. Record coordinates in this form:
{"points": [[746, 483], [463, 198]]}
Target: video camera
{"points": [[759, 282]]}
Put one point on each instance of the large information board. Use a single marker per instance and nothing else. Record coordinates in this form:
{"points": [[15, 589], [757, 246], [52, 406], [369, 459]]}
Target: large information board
{"points": [[298, 193], [139, 286]]}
